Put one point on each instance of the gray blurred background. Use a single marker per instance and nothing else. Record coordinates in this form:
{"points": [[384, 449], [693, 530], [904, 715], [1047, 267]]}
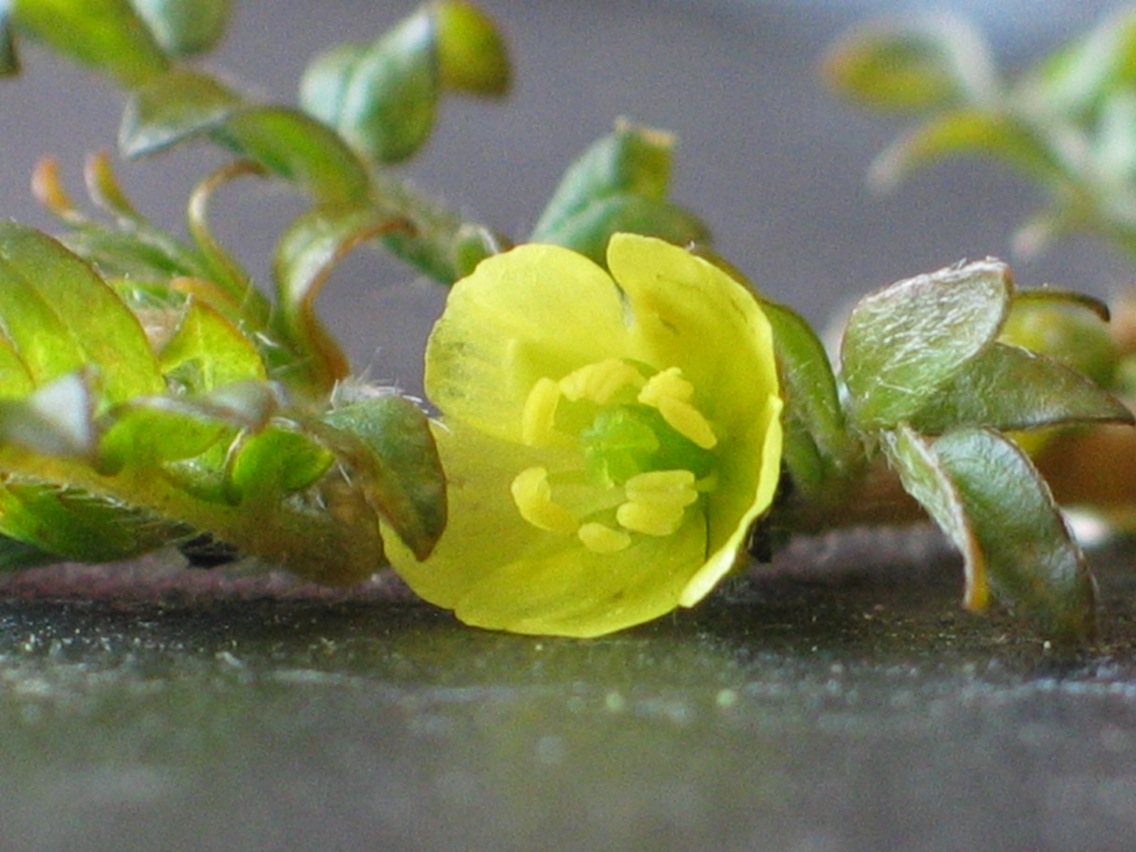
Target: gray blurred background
{"points": [[769, 158]]}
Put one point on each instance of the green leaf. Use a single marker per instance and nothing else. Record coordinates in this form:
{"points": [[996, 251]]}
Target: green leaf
{"points": [[472, 244], [58, 524], [299, 149], [174, 107], [811, 394], [470, 49], [275, 461], [185, 27], [150, 430], [15, 380], [438, 242], [381, 97], [387, 444], [207, 351], [990, 500], [56, 422], [966, 131], [905, 341], [106, 34], [1079, 75], [912, 67], [9, 61], [1008, 388], [589, 230], [923, 476], [1033, 563], [630, 161], [60, 316], [1068, 327]]}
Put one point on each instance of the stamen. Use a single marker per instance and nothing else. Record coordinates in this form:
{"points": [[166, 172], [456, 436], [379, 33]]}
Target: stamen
{"points": [[600, 538], [532, 495], [538, 420], [656, 501], [670, 393], [600, 382]]}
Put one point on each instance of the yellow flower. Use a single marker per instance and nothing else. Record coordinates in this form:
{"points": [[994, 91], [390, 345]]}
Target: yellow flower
{"points": [[608, 443]]}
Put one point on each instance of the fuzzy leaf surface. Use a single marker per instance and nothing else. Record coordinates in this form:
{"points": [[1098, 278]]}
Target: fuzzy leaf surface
{"points": [[1008, 388], [1033, 563], [387, 443], [629, 161], [923, 476], [903, 342]]}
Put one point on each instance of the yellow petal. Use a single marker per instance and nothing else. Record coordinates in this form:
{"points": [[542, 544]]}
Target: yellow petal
{"points": [[533, 312], [496, 570]]}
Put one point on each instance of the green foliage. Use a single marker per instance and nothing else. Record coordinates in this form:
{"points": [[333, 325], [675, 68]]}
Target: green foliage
{"points": [[112, 448], [619, 184], [185, 27], [925, 380], [985, 494], [106, 34], [382, 97], [936, 63], [1068, 121]]}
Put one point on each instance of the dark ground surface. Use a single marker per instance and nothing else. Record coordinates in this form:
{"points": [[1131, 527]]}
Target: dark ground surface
{"points": [[838, 700]]}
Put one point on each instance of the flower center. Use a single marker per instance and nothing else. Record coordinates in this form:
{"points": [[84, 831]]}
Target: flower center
{"points": [[645, 450]]}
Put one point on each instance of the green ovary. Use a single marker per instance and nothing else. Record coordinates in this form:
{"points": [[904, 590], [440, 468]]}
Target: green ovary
{"points": [[645, 452]]}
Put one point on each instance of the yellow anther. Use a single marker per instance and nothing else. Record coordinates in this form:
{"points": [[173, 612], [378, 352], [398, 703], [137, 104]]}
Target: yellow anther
{"points": [[532, 495], [600, 538], [600, 382], [650, 518], [656, 501], [670, 393], [688, 421], [666, 383], [662, 486], [538, 420]]}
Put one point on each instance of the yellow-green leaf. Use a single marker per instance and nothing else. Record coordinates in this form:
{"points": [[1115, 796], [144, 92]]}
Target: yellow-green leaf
{"points": [[60, 316], [299, 149], [107, 34]]}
